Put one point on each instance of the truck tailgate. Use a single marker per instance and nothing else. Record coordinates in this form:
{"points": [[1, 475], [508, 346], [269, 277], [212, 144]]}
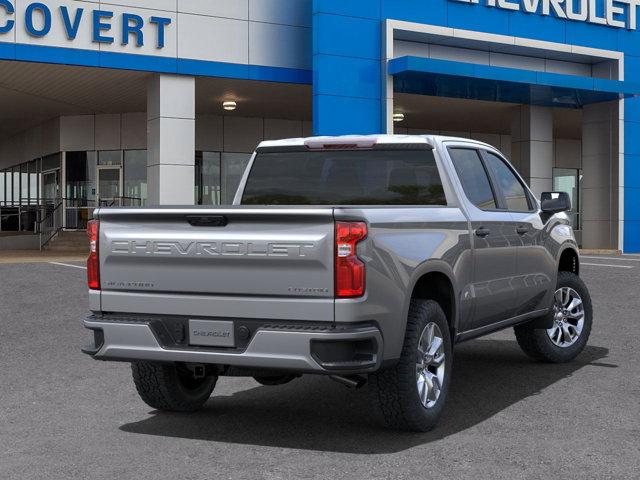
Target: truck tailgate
{"points": [[238, 261]]}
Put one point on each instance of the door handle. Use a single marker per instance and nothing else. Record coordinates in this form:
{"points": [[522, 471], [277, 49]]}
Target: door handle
{"points": [[483, 232], [522, 230]]}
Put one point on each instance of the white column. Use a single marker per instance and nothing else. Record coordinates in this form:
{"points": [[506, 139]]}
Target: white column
{"points": [[532, 146], [599, 169], [171, 140], [387, 94]]}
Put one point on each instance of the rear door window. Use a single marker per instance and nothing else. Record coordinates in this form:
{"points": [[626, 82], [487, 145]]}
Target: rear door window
{"points": [[474, 177], [349, 177]]}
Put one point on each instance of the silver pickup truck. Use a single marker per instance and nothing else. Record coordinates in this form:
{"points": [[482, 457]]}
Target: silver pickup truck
{"points": [[361, 258]]}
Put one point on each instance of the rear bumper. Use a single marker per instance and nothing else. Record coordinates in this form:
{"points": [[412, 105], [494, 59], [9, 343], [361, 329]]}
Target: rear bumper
{"points": [[299, 348]]}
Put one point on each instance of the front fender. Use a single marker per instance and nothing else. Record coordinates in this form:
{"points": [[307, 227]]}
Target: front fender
{"points": [[560, 239]]}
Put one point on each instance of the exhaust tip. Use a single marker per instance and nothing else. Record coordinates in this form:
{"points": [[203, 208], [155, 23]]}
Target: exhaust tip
{"points": [[351, 381]]}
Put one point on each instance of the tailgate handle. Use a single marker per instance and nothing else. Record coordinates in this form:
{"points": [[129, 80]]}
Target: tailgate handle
{"points": [[207, 220]]}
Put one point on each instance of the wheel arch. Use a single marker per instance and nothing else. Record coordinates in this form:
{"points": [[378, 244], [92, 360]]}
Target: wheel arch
{"points": [[436, 281], [569, 260]]}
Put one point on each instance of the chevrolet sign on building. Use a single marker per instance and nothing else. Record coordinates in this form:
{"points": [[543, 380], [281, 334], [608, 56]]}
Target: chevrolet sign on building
{"points": [[152, 102], [614, 13]]}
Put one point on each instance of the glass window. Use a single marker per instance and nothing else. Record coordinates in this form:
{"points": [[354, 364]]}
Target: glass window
{"points": [[568, 180], [51, 162], [378, 177], [109, 186], [2, 180], [80, 177], [110, 157], [8, 179], [80, 184], [33, 181], [473, 177], [233, 166], [514, 192], [24, 183], [51, 186], [208, 187], [16, 185], [135, 177]]}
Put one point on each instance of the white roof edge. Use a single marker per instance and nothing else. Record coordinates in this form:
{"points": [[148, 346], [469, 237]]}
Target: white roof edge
{"points": [[444, 138], [358, 139], [366, 139]]}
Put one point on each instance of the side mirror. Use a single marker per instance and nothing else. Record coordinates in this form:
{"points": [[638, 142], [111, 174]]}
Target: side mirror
{"points": [[555, 202]]}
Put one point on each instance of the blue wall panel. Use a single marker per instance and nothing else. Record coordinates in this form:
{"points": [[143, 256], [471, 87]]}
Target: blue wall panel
{"points": [[550, 29], [477, 17], [632, 204], [631, 217], [347, 36], [352, 77], [632, 137], [632, 171], [431, 12], [632, 110], [589, 35], [334, 115], [628, 42], [632, 177], [347, 45], [631, 233], [349, 8], [66, 56]]}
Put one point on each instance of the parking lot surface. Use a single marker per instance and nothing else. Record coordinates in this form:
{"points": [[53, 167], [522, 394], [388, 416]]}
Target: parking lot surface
{"points": [[66, 416]]}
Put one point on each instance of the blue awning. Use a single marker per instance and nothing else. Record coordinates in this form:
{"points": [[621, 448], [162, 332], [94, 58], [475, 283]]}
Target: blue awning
{"points": [[444, 78]]}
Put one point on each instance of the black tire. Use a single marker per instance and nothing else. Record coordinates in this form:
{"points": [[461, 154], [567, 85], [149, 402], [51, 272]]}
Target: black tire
{"points": [[394, 391], [171, 387], [273, 381], [536, 342]]}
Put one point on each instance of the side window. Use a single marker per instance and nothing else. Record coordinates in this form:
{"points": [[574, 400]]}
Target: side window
{"points": [[473, 177], [514, 193]]}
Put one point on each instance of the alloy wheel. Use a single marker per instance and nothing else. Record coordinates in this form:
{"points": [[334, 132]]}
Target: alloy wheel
{"points": [[568, 317], [430, 365]]}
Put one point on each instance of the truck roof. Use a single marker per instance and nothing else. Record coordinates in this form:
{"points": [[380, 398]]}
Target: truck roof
{"points": [[362, 140]]}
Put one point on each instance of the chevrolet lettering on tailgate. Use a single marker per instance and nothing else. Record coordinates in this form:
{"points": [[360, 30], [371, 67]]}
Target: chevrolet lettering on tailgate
{"points": [[280, 249]]}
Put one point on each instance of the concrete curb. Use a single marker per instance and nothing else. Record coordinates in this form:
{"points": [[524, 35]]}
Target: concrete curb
{"points": [[30, 256]]}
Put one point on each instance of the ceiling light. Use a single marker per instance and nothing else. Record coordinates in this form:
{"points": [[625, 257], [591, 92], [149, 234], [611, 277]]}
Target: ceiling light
{"points": [[229, 106], [398, 117]]}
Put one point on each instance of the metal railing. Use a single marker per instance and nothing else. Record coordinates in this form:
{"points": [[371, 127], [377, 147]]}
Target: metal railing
{"points": [[46, 217], [20, 214], [49, 222], [121, 202]]}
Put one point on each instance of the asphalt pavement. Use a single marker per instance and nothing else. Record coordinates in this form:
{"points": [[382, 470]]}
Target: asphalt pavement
{"points": [[66, 416]]}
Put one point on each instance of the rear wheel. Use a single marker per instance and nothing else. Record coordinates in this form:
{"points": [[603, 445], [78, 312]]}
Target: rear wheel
{"points": [[411, 395], [171, 387], [571, 317]]}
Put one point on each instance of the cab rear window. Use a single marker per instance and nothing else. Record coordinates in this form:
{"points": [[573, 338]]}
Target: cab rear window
{"points": [[362, 177]]}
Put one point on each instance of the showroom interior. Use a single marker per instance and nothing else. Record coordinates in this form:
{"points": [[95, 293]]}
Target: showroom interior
{"points": [[85, 143]]}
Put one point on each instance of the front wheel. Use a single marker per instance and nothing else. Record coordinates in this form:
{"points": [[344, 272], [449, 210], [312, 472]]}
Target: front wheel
{"points": [[411, 395], [571, 317]]}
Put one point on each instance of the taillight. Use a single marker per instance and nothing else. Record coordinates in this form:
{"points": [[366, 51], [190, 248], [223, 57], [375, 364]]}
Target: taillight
{"points": [[93, 262], [350, 270]]}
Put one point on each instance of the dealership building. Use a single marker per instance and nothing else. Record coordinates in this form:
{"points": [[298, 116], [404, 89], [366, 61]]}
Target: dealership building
{"points": [[156, 102]]}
